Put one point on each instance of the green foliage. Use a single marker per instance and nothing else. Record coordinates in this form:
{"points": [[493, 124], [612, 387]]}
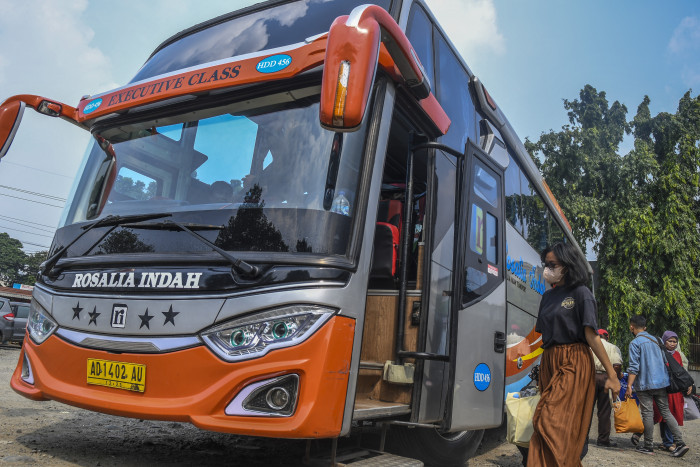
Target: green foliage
{"points": [[15, 265], [642, 209], [32, 266], [134, 189], [11, 259]]}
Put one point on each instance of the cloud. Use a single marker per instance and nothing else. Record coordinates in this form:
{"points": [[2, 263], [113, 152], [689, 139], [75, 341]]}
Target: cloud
{"points": [[686, 36], [684, 48], [471, 25], [47, 50]]}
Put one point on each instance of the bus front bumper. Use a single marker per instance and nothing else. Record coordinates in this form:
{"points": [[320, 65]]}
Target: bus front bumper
{"points": [[195, 386]]}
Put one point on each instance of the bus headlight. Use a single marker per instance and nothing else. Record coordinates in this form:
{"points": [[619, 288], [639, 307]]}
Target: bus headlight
{"points": [[39, 324], [254, 335]]}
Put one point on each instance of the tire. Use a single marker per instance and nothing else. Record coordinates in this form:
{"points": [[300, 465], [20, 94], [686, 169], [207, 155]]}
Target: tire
{"points": [[433, 447]]}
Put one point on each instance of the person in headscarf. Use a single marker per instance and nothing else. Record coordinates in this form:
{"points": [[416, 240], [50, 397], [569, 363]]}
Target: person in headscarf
{"points": [[676, 402]]}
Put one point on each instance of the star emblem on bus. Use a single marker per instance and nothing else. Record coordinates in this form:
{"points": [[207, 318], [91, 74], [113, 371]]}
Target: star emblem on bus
{"points": [[93, 316], [76, 311], [170, 316], [145, 318]]}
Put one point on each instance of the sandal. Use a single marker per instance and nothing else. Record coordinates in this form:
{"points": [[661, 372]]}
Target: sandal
{"points": [[670, 448], [635, 438]]}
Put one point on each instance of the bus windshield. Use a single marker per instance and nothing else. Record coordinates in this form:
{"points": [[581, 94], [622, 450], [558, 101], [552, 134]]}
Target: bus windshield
{"points": [[266, 28], [263, 170]]}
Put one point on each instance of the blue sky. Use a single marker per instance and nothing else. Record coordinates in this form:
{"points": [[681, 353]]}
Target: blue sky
{"points": [[530, 55]]}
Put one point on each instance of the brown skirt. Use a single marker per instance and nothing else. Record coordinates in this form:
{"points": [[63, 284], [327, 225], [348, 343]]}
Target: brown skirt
{"points": [[563, 415]]}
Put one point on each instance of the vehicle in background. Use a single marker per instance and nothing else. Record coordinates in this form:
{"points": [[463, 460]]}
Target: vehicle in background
{"points": [[20, 310], [6, 320]]}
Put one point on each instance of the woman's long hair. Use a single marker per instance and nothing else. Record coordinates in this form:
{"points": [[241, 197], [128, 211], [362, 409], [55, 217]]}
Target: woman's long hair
{"points": [[569, 257]]}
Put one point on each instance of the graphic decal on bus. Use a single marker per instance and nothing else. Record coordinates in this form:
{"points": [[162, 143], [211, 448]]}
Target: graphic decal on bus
{"points": [[147, 280], [477, 237], [274, 63], [482, 377], [526, 274], [92, 106], [522, 352], [189, 80]]}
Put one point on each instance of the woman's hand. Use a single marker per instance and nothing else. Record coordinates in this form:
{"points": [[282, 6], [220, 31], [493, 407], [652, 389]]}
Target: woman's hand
{"points": [[614, 385]]}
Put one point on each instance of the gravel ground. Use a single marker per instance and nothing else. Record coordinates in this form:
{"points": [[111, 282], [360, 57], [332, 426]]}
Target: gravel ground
{"points": [[53, 434]]}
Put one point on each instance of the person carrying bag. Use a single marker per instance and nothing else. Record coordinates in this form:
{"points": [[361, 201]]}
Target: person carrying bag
{"points": [[627, 416], [679, 379]]}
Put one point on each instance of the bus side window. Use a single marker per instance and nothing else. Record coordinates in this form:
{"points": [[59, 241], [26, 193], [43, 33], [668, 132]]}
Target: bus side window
{"points": [[454, 96], [483, 264], [512, 186], [535, 217], [420, 32]]}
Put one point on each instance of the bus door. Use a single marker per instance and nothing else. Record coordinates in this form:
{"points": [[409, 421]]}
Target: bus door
{"points": [[477, 338]]}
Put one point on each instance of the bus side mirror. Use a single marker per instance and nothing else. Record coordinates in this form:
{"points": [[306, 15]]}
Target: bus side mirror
{"points": [[352, 53], [10, 118]]}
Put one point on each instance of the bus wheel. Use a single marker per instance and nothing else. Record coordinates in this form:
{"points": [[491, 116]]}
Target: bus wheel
{"points": [[433, 447]]}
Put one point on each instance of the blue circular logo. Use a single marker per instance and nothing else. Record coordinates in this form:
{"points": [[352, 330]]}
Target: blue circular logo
{"points": [[92, 106], [482, 377], [274, 63]]}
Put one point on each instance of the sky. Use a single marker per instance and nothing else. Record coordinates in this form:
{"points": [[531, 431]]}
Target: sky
{"points": [[530, 55]]}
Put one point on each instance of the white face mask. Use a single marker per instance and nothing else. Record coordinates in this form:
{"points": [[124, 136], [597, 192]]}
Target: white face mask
{"points": [[553, 276]]}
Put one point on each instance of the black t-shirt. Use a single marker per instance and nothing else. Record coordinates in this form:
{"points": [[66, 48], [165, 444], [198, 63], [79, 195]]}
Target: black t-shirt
{"points": [[564, 314]]}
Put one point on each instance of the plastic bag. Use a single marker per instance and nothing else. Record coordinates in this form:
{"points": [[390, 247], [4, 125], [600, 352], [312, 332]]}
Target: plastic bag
{"points": [[691, 411], [627, 416], [519, 413]]}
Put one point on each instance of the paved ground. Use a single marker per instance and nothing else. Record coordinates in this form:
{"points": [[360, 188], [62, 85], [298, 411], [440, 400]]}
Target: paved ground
{"points": [[57, 435]]}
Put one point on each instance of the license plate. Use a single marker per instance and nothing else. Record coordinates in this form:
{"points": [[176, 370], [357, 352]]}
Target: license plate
{"points": [[121, 375]]}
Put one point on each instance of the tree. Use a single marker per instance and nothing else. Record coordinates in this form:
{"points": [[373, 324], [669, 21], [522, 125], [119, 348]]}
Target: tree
{"points": [[12, 259], [32, 266], [642, 209]]}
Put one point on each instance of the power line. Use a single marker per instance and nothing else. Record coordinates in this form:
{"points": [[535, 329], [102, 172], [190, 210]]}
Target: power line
{"points": [[34, 193], [27, 223], [24, 231], [36, 244], [31, 200], [34, 168]]}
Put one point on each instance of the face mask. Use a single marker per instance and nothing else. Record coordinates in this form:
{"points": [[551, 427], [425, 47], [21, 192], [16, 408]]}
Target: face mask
{"points": [[552, 276]]}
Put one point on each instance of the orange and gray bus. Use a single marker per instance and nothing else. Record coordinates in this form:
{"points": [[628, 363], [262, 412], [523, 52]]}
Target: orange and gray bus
{"points": [[296, 219]]}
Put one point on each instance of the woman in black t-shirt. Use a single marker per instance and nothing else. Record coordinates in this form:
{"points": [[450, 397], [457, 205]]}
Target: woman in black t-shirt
{"points": [[567, 321]]}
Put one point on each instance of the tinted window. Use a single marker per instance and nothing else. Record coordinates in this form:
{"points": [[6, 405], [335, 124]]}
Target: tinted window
{"points": [[280, 26], [556, 234], [22, 311], [420, 33], [512, 188], [453, 94], [534, 216], [485, 186]]}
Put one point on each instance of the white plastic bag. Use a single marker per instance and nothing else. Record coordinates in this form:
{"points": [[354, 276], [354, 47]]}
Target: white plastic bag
{"points": [[519, 413]]}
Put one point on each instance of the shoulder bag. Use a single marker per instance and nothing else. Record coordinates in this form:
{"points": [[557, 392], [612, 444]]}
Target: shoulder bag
{"points": [[680, 380]]}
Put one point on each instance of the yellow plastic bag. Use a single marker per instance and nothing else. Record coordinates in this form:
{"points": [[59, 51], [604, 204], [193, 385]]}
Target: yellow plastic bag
{"points": [[519, 413], [627, 416]]}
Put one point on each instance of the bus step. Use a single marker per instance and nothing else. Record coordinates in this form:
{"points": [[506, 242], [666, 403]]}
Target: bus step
{"points": [[385, 460], [365, 457]]}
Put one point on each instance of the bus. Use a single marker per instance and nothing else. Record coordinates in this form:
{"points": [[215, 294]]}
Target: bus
{"points": [[297, 219]]}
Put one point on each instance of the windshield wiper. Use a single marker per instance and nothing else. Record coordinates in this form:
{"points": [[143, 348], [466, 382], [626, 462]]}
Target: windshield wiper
{"points": [[113, 221], [242, 266]]}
